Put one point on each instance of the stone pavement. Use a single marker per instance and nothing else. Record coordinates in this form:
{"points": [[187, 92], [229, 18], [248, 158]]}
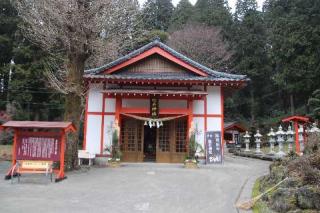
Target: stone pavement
{"points": [[140, 187]]}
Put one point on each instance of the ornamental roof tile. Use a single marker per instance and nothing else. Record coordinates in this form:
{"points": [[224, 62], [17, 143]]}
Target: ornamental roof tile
{"points": [[212, 74]]}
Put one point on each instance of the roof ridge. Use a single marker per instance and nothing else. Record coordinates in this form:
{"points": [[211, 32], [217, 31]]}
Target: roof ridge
{"points": [[165, 47]]}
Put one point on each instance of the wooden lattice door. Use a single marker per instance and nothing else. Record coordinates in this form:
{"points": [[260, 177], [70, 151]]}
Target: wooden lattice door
{"points": [[172, 141], [131, 140], [164, 142]]}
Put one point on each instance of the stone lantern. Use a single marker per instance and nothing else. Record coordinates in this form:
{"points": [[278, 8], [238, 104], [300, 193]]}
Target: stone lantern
{"points": [[257, 137], [290, 134], [300, 138], [280, 140], [247, 141], [272, 140]]}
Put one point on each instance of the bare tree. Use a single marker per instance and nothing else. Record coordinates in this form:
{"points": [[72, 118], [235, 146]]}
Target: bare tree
{"points": [[76, 30], [202, 43]]}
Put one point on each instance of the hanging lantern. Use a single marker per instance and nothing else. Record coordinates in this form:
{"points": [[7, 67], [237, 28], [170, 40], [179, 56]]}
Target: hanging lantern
{"points": [[161, 123], [146, 123]]}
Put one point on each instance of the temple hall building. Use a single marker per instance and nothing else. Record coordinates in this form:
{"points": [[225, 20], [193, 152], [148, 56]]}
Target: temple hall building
{"points": [[155, 95]]}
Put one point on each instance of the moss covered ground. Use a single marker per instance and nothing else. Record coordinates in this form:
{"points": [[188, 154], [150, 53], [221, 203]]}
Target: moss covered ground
{"points": [[300, 193]]}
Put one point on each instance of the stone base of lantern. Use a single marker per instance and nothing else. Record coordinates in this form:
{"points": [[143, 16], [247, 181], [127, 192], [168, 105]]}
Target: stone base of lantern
{"points": [[258, 152], [281, 154], [271, 153]]}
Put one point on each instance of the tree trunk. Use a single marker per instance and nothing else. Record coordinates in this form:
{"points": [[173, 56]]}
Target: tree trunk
{"points": [[252, 107], [73, 107], [292, 104]]}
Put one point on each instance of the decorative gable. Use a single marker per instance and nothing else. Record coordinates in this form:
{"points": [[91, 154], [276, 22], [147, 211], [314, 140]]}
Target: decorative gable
{"points": [[155, 64], [137, 56]]}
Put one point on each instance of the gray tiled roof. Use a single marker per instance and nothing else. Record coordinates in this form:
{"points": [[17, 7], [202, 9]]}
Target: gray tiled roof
{"points": [[212, 74], [161, 76]]}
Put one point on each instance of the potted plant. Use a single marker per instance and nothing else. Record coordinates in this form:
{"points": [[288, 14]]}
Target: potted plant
{"points": [[191, 161], [114, 161]]}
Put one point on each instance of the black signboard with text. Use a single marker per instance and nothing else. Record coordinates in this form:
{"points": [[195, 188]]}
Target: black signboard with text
{"points": [[154, 107], [213, 147]]}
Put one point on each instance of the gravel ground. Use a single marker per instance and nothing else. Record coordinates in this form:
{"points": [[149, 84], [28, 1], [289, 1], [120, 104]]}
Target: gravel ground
{"points": [[141, 187]]}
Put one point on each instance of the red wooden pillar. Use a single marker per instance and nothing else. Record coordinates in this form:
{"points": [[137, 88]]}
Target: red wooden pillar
{"points": [[117, 115], [85, 124], [296, 128], [102, 123], [14, 150], [222, 118], [190, 119], [62, 148], [205, 113], [205, 123]]}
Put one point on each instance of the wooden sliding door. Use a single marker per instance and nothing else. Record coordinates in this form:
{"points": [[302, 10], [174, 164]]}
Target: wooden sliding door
{"points": [[131, 140], [171, 141]]}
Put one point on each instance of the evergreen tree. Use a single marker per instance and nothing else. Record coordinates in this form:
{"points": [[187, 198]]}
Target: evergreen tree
{"points": [[23, 92], [213, 12], [8, 26], [181, 14], [251, 58], [295, 39], [157, 14], [244, 7], [314, 102]]}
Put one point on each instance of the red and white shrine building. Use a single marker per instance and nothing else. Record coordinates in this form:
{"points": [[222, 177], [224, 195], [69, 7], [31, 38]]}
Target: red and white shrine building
{"points": [[154, 82]]}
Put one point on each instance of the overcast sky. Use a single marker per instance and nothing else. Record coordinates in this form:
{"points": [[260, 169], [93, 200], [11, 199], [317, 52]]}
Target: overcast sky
{"points": [[231, 3]]}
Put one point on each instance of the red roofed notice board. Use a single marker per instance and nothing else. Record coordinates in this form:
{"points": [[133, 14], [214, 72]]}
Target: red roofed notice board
{"points": [[46, 143]]}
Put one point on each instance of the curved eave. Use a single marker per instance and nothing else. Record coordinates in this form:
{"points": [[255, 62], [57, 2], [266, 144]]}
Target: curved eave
{"points": [[225, 82]]}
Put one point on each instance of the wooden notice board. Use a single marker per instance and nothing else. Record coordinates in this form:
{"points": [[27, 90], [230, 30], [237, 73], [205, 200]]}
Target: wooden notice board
{"points": [[37, 141], [34, 146], [213, 147]]}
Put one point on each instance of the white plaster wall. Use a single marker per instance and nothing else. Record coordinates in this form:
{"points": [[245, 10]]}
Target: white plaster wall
{"points": [[213, 124], [93, 133], [108, 128], [95, 98], [110, 105], [198, 107], [199, 123], [213, 100], [127, 103], [164, 103]]}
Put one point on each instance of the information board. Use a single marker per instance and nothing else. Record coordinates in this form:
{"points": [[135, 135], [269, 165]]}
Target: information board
{"points": [[213, 147], [37, 147]]}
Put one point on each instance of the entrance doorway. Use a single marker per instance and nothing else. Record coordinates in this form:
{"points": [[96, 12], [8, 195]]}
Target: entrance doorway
{"points": [[150, 144], [167, 144]]}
